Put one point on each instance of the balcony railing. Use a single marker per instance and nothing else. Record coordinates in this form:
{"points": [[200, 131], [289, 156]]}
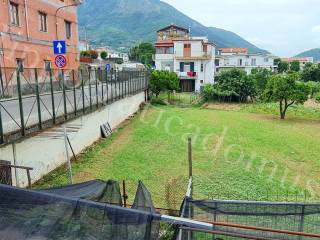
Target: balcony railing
{"points": [[187, 74]]}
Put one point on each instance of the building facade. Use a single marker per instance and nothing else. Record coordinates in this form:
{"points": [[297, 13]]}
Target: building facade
{"points": [[192, 58], [28, 27], [240, 58], [302, 60]]}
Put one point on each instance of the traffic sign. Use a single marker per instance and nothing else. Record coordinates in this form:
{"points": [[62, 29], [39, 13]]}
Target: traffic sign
{"points": [[108, 67], [60, 61], [59, 47]]}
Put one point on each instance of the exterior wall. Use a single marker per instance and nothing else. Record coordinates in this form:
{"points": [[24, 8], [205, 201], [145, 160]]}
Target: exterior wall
{"points": [[196, 49], [198, 57], [45, 153], [232, 61], [178, 49], [27, 42]]}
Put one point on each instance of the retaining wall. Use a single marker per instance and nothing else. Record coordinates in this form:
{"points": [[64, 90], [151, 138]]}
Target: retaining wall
{"points": [[46, 151]]}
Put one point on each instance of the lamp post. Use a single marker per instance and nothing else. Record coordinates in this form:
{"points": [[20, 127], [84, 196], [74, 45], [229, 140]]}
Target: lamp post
{"points": [[57, 11]]}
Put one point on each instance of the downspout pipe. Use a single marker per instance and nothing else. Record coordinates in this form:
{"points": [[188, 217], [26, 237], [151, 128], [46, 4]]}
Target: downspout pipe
{"points": [[26, 15]]}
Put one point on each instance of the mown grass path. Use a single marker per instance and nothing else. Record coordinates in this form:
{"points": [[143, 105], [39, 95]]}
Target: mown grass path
{"points": [[237, 155]]}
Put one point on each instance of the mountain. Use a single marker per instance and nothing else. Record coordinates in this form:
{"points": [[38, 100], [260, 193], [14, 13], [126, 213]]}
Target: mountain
{"points": [[315, 53], [119, 23]]}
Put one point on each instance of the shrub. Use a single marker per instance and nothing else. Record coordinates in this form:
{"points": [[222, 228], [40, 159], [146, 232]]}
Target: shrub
{"points": [[158, 101], [104, 55]]}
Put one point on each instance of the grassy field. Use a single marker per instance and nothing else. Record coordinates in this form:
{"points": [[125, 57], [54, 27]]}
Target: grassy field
{"points": [[236, 155]]}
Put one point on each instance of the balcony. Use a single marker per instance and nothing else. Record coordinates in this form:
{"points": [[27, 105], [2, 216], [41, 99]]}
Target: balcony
{"points": [[187, 75], [204, 56]]}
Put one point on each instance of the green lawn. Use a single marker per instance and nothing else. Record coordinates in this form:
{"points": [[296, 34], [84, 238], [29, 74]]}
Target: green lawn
{"points": [[236, 155]]}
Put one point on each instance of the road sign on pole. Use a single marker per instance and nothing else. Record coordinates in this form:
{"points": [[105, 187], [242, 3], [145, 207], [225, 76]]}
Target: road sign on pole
{"points": [[60, 61], [59, 47], [108, 67]]}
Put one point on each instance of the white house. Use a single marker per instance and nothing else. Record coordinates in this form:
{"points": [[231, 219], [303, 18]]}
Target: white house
{"points": [[302, 60], [192, 58], [228, 58]]}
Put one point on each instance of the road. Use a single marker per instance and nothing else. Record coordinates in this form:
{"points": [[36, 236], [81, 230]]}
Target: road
{"points": [[10, 111]]}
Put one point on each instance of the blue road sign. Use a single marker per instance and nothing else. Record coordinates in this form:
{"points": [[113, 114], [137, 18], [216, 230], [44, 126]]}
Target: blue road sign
{"points": [[59, 47], [108, 67]]}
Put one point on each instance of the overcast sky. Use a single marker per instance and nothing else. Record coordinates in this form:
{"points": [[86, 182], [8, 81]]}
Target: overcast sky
{"points": [[283, 27]]}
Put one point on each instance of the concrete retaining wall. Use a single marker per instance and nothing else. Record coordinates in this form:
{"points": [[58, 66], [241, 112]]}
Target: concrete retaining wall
{"points": [[46, 151]]}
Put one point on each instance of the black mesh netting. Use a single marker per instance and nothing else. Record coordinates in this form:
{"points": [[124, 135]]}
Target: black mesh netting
{"points": [[296, 217], [95, 190], [62, 214]]}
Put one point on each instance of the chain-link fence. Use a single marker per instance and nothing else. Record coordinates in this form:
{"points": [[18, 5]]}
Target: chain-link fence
{"points": [[33, 99]]}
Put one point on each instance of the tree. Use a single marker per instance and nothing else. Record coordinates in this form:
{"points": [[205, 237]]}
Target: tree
{"points": [[314, 88], [85, 53], [119, 61], [311, 72], [260, 78], [93, 54], [283, 66], [104, 55], [142, 52], [163, 81], [295, 66], [286, 90], [235, 85]]}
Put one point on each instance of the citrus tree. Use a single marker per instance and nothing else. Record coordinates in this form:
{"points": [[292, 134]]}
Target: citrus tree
{"points": [[287, 90]]}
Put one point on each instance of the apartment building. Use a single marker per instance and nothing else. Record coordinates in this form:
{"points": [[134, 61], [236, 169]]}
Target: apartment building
{"points": [[192, 58], [228, 58], [28, 27], [302, 60]]}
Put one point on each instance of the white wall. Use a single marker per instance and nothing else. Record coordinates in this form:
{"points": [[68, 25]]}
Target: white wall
{"points": [[45, 153]]}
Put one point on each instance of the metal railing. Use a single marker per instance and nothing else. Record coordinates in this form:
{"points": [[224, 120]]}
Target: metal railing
{"points": [[35, 99]]}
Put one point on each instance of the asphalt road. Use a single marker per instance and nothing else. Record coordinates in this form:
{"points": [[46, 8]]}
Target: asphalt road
{"points": [[10, 111]]}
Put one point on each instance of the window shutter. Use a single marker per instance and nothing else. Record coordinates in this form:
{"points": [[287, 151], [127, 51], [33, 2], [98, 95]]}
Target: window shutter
{"points": [[182, 67], [192, 66]]}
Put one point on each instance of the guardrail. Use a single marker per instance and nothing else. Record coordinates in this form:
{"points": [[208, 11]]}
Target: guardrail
{"points": [[35, 99]]}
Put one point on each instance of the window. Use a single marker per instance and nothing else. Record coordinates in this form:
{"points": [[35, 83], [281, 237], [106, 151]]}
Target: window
{"points": [[43, 22], [201, 67], [20, 64], [14, 13], [266, 60], [187, 50], [68, 29], [253, 62], [47, 65], [187, 67], [239, 62]]}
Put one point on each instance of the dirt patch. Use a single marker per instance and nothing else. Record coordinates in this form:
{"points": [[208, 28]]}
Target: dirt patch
{"points": [[223, 106], [312, 103]]}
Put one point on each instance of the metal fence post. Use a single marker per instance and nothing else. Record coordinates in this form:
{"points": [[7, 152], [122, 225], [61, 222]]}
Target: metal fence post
{"points": [[111, 90], [102, 88], [119, 85], [74, 93], [2, 86], [23, 130], [115, 86], [82, 90], [38, 98], [1, 128], [90, 94], [61, 77], [52, 99], [107, 86], [301, 227], [97, 92]]}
